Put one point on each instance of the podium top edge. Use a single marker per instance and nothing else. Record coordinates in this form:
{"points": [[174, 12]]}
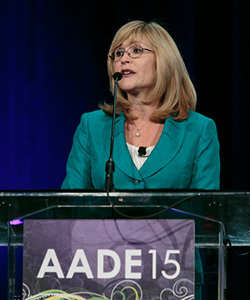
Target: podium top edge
{"points": [[118, 193]]}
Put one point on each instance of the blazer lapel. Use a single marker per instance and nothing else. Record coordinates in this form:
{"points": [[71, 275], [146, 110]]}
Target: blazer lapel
{"points": [[164, 152], [121, 155], [166, 149]]}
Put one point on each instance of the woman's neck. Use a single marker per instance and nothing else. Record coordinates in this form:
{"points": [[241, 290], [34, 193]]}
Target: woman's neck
{"points": [[139, 109], [142, 131]]}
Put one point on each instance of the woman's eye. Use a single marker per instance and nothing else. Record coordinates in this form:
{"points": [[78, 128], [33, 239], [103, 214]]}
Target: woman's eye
{"points": [[119, 53], [137, 50]]}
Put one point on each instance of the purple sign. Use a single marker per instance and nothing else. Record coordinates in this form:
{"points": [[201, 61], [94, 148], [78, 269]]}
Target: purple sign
{"points": [[108, 259]]}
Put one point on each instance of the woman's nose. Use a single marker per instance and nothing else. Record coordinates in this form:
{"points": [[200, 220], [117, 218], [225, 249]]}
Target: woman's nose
{"points": [[125, 58]]}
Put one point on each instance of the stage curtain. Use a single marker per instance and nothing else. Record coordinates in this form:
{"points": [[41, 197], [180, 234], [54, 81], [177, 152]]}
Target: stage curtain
{"points": [[53, 69]]}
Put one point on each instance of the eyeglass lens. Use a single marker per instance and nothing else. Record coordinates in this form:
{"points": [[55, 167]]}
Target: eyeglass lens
{"points": [[133, 52]]}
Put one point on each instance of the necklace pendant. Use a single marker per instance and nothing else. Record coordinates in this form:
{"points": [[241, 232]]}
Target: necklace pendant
{"points": [[137, 133]]}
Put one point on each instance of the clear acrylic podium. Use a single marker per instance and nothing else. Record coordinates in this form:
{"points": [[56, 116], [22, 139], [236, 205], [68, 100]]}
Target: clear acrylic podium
{"points": [[216, 217]]}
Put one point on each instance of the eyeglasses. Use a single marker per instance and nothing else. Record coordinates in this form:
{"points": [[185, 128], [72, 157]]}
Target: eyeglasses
{"points": [[133, 52]]}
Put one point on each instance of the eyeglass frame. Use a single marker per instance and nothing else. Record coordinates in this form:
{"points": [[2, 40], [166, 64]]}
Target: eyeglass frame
{"points": [[126, 51]]}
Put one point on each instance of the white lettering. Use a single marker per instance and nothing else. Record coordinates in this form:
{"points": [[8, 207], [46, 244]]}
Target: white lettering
{"points": [[173, 262], [129, 263], [153, 252], [84, 268], [100, 265], [54, 268], [109, 264]]}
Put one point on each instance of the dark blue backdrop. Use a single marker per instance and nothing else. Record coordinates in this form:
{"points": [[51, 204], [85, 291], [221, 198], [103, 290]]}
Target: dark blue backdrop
{"points": [[53, 69]]}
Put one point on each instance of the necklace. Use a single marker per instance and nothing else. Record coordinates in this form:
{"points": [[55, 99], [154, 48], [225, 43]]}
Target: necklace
{"points": [[138, 129]]}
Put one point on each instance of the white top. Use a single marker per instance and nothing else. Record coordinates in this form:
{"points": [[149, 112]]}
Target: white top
{"points": [[137, 159]]}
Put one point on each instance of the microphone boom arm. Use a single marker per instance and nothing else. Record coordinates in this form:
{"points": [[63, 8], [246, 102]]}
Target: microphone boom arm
{"points": [[110, 165]]}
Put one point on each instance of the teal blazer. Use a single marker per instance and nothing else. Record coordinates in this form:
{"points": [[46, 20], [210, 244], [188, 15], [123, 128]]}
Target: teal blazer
{"points": [[185, 157]]}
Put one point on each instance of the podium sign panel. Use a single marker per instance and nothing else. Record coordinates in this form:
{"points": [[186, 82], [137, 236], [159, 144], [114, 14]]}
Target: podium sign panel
{"points": [[108, 259]]}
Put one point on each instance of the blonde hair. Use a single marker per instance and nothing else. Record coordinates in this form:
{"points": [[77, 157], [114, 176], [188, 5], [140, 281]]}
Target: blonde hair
{"points": [[173, 86]]}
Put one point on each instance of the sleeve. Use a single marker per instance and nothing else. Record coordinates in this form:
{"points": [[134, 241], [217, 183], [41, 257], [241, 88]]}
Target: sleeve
{"points": [[79, 162], [206, 167]]}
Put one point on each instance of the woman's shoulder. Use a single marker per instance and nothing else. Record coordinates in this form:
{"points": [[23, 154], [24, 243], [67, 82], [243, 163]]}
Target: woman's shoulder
{"points": [[99, 116], [97, 120], [95, 114], [198, 119], [199, 124], [94, 118]]}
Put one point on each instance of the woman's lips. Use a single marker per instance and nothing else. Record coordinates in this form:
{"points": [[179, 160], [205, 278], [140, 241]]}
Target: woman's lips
{"points": [[127, 72]]}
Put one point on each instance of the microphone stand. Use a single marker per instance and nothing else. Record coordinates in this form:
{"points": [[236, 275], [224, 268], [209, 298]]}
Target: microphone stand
{"points": [[110, 165]]}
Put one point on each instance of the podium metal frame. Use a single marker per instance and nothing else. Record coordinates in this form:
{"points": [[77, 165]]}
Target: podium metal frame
{"points": [[216, 215]]}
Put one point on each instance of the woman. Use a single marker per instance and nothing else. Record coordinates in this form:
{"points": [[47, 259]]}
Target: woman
{"points": [[160, 141], [179, 148]]}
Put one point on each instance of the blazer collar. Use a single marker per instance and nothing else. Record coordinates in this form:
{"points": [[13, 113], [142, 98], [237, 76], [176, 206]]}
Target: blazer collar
{"points": [[164, 152]]}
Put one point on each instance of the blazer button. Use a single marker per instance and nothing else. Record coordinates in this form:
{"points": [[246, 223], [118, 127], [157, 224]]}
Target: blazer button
{"points": [[136, 181]]}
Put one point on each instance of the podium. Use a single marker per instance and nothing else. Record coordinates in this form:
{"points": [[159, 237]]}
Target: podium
{"points": [[218, 216]]}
